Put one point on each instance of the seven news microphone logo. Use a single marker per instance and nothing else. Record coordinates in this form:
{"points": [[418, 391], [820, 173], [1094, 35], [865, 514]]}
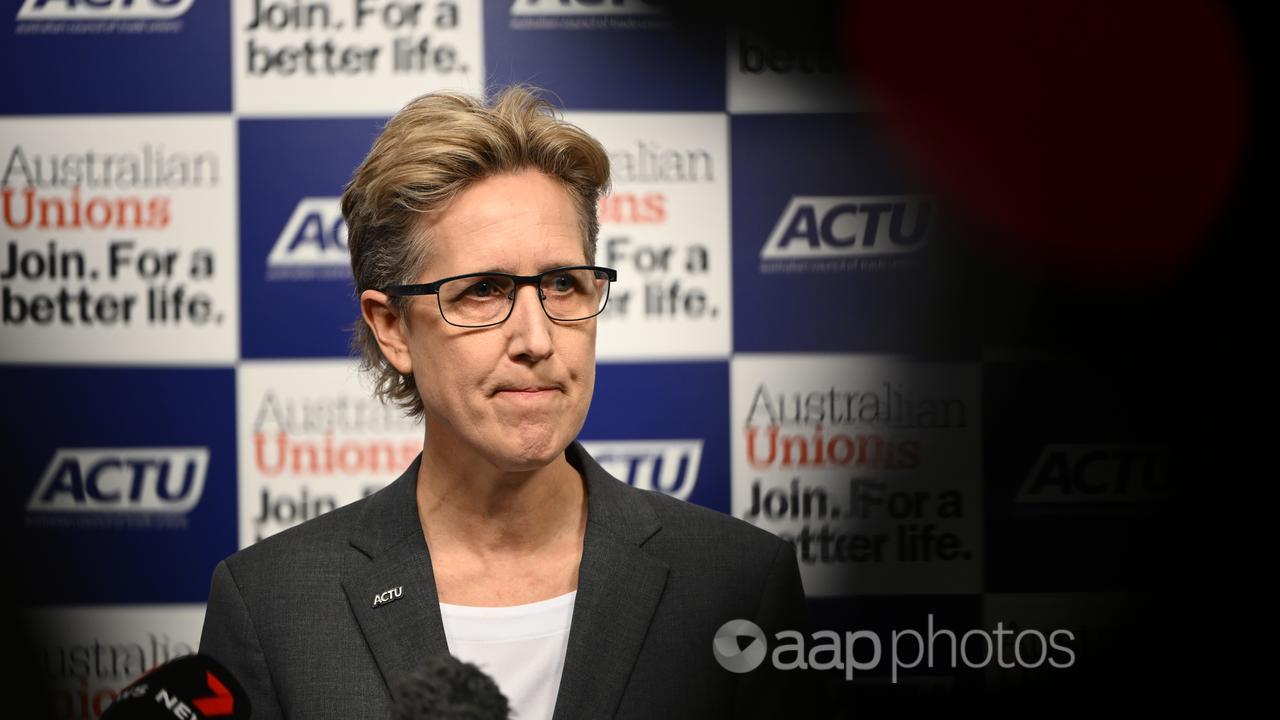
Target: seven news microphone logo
{"points": [[103, 9], [121, 480], [194, 686]]}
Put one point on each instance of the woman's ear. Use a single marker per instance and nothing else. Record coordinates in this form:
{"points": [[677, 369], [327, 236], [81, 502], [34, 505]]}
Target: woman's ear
{"points": [[385, 323]]}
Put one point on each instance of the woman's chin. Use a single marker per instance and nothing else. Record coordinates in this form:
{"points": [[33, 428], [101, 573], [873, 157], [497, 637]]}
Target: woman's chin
{"points": [[517, 453]]}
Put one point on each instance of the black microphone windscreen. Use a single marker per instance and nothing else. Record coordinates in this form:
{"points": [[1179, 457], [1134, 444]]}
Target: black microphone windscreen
{"points": [[445, 688]]}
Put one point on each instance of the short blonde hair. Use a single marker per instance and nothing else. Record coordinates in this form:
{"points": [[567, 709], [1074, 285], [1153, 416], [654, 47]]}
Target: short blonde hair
{"points": [[433, 149]]}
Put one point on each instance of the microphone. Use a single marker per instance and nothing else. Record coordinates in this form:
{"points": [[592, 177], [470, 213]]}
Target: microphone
{"points": [[193, 686], [445, 688]]}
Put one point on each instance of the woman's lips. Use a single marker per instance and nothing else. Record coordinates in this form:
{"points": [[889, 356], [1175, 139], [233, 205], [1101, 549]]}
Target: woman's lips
{"points": [[526, 392]]}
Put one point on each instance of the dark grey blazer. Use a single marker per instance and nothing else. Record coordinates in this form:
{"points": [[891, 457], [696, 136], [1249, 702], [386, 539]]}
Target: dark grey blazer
{"points": [[293, 616]]}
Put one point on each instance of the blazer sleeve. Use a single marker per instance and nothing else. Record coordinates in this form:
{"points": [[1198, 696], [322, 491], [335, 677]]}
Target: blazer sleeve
{"points": [[230, 638], [771, 693]]}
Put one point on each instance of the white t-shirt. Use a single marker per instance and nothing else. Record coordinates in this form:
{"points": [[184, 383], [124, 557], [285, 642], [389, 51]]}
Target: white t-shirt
{"points": [[522, 647]]}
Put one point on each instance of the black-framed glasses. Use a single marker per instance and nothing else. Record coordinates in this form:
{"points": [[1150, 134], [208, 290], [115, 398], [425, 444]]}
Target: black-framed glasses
{"points": [[577, 292]]}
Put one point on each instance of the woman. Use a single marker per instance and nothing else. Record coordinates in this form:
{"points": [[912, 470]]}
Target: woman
{"points": [[472, 230]]}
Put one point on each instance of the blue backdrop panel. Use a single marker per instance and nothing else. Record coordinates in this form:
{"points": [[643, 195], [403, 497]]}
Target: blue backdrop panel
{"points": [[1077, 495], [775, 158], [669, 401], [185, 68], [599, 62], [115, 556], [282, 162]]}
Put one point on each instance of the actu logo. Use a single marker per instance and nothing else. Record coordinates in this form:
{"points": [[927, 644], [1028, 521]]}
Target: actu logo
{"points": [[833, 227], [387, 596], [121, 480], [739, 646], [103, 9], [586, 7], [315, 237], [668, 466], [1075, 473]]}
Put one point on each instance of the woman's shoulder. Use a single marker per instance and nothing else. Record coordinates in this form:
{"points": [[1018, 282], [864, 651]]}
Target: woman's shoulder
{"points": [[369, 521], [306, 544], [687, 522]]}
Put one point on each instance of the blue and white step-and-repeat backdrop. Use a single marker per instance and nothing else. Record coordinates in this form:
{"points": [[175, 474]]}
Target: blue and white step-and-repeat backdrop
{"points": [[781, 344]]}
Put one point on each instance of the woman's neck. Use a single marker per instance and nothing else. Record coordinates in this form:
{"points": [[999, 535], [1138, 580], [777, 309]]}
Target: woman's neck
{"points": [[465, 500]]}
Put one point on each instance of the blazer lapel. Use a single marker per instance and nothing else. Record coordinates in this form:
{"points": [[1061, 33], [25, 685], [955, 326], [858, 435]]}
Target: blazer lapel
{"points": [[619, 585], [393, 563]]}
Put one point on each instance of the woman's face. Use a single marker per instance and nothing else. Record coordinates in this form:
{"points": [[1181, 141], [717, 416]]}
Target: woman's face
{"points": [[517, 393]]}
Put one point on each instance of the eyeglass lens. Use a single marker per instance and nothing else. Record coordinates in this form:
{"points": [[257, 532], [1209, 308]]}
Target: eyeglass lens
{"points": [[484, 299]]}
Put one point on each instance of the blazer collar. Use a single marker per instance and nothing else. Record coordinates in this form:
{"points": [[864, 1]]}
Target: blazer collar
{"points": [[619, 585]]}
